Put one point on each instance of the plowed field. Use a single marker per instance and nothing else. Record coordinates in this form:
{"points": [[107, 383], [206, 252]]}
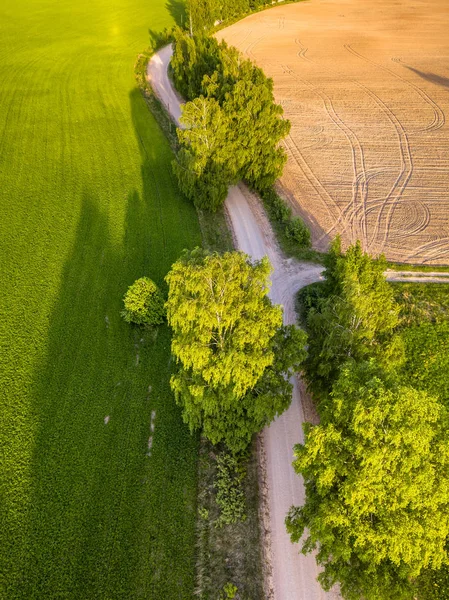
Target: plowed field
{"points": [[366, 88]]}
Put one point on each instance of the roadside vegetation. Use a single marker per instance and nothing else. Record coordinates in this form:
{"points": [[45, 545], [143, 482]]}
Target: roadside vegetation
{"points": [[425, 331], [291, 232], [215, 232], [232, 125], [376, 468], [229, 535], [235, 358], [205, 15], [232, 132], [272, 394]]}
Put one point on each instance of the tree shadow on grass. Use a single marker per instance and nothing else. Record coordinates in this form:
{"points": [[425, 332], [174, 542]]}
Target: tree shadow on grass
{"points": [[105, 520], [178, 11], [86, 474]]}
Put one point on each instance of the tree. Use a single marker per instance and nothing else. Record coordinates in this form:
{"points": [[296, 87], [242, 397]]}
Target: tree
{"points": [[355, 320], [377, 486], [255, 129], [233, 127], [202, 166], [193, 58], [233, 354], [144, 303]]}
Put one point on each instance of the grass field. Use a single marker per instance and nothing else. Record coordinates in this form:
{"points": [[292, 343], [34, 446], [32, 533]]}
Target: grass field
{"points": [[87, 204]]}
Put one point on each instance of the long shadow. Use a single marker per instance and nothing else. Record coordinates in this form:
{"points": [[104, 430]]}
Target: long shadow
{"points": [[105, 520], [178, 12], [172, 221], [88, 375], [177, 9], [432, 77]]}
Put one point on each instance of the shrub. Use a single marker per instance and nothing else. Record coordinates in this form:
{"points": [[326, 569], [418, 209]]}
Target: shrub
{"points": [[276, 206], [292, 229], [144, 303], [296, 230], [230, 496], [229, 592]]}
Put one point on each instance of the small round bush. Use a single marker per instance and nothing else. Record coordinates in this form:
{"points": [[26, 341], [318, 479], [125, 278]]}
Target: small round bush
{"points": [[144, 303]]}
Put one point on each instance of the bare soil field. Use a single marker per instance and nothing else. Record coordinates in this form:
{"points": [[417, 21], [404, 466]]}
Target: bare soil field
{"points": [[366, 88]]}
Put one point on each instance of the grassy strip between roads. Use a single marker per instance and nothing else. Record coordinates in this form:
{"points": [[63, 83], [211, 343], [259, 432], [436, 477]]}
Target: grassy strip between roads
{"points": [[424, 268]]}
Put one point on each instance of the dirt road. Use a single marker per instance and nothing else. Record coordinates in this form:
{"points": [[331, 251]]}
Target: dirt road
{"points": [[158, 75], [294, 575]]}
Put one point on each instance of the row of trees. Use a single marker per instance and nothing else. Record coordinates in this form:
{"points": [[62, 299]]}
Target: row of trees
{"points": [[203, 14], [376, 469], [232, 124], [235, 358]]}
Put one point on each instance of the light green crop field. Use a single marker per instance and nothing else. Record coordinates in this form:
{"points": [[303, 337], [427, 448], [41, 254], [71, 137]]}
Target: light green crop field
{"points": [[87, 204]]}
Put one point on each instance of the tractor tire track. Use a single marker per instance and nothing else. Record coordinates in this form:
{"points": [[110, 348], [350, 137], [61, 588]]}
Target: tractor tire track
{"points": [[360, 183], [392, 198]]}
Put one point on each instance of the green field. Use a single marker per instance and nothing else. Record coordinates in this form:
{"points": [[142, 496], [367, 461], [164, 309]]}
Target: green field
{"points": [[87, 204]]}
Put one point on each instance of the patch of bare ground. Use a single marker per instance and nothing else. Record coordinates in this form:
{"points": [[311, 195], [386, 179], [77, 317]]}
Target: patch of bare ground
{"points": [[366, 87]]}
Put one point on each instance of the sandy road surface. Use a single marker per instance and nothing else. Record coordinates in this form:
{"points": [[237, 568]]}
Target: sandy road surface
{"points": [[294, 575], [158, 75], [366, 87]]}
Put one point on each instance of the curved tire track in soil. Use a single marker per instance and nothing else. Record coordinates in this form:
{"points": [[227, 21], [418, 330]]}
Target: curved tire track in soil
{"points": [[406, 172], [360, 183]]}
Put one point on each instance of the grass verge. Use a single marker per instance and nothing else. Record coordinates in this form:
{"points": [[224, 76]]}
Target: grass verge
{"points": [[292, 234], [230, 554], [424, 268]]}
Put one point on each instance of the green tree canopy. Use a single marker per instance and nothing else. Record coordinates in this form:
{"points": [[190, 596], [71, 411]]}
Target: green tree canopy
{"points": [[204, 13], [233, 126], [234, 356], [355, 319], [377, 486], [143, 303], [202, 165], [256, 127], [193, 59]]}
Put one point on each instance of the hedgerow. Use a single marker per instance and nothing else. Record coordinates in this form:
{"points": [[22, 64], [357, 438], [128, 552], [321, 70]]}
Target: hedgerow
{"points": [[232, 124]]}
